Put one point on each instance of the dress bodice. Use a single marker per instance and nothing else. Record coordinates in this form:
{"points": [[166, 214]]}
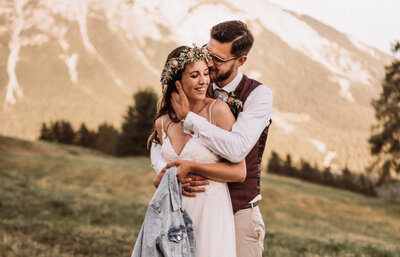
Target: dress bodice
{"points": [[194, 150]]}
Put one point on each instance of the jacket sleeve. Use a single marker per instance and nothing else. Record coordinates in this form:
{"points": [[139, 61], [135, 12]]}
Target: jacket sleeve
{"points": [[147, 242], [137, 249]]}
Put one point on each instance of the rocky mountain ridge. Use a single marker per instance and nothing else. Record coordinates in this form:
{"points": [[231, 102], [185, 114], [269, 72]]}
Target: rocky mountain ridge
{"points": [[83, 60]]}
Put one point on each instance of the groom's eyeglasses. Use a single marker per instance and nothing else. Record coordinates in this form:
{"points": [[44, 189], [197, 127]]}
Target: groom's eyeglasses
{"points": [[218, 60]]}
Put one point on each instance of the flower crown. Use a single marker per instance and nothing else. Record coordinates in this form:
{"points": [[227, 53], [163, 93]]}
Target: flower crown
{"points": [[188, 55]]}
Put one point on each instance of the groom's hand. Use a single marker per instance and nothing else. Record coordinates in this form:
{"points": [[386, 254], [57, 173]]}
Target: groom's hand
{"points": [[156, 181], [195, 186], [179, 101], [191, 183]]}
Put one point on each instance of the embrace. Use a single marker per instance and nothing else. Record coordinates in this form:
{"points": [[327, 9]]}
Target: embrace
{"points": [[211, 124]]}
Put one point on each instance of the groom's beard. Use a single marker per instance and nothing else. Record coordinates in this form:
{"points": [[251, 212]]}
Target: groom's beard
{"points": [[220, 76]]}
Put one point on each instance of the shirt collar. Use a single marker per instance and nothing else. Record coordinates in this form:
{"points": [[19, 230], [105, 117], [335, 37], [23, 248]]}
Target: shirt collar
{"points": [[231, 86]]}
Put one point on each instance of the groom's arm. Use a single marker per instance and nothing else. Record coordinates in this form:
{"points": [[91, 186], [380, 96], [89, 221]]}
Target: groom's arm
{"points": [[234, 145]]}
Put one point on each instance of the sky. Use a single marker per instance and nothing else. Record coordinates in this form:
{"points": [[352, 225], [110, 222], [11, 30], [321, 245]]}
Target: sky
{"points": [[374, 22]]}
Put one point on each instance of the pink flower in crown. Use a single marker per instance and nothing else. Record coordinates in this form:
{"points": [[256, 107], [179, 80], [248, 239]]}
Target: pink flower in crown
{"points": [[229, 99], [190, 54], [174, 64]]}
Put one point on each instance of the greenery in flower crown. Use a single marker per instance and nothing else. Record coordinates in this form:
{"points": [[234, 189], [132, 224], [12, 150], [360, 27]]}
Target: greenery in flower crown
{"points": [[190, 54]]}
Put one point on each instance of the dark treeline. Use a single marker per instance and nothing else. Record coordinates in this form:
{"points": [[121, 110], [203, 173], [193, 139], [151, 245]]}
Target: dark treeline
{"points": [[305, 171], [132, 140], [104, 139]]}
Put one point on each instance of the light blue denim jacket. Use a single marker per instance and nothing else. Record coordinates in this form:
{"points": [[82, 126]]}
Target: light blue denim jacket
{"points": [[167, 229]]}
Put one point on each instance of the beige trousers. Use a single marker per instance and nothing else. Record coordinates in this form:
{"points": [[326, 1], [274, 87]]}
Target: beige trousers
{"points": [[250, 232]]}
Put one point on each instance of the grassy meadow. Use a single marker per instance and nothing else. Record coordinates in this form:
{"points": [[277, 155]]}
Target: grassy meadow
{"points": [[58, 200]]}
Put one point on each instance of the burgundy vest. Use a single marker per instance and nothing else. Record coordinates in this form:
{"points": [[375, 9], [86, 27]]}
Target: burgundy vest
{"points": [[243, 193]]}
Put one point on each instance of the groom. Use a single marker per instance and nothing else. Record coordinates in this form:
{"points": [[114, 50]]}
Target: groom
{"points": [[229, 44]]}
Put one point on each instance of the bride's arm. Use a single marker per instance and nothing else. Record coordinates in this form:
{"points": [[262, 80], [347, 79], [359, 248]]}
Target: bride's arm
{"points": [[160, 174], [222, 117], [156, 159]]}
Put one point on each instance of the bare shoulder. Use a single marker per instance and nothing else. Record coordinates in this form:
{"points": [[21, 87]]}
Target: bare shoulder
{"points": [[159, 126], [157, 122], [220, 108], [222, 115], [162, 119]]}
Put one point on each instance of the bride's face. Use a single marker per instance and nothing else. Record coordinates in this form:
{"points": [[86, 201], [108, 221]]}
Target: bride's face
{"points": [[195, 80]]}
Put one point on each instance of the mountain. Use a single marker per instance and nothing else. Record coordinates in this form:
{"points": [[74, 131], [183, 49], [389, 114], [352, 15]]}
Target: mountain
{"points": [[82, 61]]}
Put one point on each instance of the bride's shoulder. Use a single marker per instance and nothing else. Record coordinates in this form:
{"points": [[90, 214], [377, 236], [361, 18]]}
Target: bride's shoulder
{"points": [[161, 121], [220, 107], [221, 115]]}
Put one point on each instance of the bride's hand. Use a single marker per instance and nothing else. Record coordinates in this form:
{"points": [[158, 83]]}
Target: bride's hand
{"points": [[184, 167], [156, 181], [191, 183]]}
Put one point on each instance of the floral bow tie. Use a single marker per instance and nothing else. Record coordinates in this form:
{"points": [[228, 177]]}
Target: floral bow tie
{"points": [[220, 94], [232, 99]]}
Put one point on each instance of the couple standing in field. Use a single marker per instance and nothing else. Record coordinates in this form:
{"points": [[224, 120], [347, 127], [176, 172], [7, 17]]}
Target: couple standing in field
{"points": [[212, 123]]}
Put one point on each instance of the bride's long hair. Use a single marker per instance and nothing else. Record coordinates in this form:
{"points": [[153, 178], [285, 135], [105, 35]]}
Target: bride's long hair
{"points": [[164, 105]]}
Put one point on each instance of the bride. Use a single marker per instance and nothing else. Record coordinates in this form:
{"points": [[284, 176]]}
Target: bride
{"points": [[211, 211]]}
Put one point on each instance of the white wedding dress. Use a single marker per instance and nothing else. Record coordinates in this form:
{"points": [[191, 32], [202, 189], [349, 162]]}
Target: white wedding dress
{"points": [[210, 211]]}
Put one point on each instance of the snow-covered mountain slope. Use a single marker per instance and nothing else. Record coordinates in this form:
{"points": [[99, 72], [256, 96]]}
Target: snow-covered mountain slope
{"points": [[81, 60]]}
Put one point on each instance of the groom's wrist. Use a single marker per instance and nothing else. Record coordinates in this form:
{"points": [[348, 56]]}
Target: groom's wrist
{"points": [[182, 115], [193, 124], [193, 167], [183, 118], [183, 121]]}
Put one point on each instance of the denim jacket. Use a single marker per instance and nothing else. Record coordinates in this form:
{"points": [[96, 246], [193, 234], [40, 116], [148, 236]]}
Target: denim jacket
{"points": [[167, 229]]}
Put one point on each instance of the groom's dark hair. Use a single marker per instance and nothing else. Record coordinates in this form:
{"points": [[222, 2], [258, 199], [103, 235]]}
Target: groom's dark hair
{"points": [[236, 32]]}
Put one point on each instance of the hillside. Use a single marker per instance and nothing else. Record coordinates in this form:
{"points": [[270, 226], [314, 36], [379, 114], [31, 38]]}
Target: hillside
{"points": [[82, 61], [60, 200]]}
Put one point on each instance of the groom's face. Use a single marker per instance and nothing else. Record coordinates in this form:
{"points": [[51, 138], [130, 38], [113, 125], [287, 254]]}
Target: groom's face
{"points": [[221, 71]]}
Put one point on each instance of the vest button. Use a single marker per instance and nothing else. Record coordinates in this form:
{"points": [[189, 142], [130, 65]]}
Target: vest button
{"points": [[191, 132]]}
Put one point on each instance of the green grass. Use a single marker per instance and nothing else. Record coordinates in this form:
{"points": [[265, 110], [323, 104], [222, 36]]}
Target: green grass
{"points": [[304, 219], [68, 201]]}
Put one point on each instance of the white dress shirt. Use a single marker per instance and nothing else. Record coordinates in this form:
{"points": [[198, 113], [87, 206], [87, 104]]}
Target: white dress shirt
{"points": [[236, 144], [232, 145]]}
